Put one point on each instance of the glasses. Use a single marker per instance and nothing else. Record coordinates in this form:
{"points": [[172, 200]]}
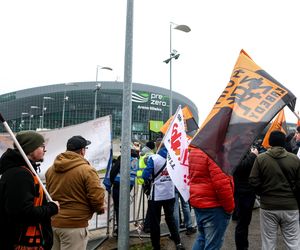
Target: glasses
{"points": [[86, 147], [43, 147]]}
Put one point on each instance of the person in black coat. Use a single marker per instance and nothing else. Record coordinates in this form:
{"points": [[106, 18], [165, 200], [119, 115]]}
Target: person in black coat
{"points": [[244, 196], [21, 195]]}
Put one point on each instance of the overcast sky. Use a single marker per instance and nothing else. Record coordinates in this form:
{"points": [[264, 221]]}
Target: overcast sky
{"points": [[50, 42]]}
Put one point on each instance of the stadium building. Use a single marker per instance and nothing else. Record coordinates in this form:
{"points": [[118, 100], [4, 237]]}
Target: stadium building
{"points": [[60, 105]]}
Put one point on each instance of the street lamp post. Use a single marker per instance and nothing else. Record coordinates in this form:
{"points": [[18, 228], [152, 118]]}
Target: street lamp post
{"points": [[22, 120], [13, 125], [174, 55], [40, 122], [98, 87], [30, 118], [31, 115], [44, 108], [66, 98]]}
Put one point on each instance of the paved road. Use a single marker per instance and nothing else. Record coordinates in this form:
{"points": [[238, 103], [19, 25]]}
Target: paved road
{"points": [[254, 238]]}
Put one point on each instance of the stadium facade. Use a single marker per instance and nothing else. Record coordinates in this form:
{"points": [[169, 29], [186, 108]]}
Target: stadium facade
{"points": [[59, 105]]}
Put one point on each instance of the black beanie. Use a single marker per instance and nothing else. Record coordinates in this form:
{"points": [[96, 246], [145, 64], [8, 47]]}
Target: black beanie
{"points": [[277, 138], [29, 141], [151, 145]]}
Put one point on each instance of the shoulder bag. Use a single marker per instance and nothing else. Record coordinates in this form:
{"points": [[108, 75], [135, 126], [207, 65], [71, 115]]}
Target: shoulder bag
{"points": [[148, 183]]}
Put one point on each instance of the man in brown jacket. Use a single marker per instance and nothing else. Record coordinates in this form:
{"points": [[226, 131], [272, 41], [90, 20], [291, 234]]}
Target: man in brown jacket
{"points": [[73, 182]]}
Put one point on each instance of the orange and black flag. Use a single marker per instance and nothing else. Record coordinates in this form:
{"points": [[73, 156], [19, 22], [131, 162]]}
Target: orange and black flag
{"points": [[278, 124], [190, 123], [249, 102]]}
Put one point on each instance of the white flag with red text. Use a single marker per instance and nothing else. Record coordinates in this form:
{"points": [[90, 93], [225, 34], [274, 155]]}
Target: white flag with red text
{"points": [[176, 142]]}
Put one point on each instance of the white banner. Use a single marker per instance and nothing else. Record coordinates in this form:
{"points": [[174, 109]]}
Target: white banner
{"points": [[176, 142], [97, 131]]}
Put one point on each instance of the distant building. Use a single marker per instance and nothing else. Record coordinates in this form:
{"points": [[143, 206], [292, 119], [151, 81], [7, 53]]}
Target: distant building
{"points": [[58, 105]]}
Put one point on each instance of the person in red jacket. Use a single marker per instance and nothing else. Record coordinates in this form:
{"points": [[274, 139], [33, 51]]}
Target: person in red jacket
{"points": [[211, 195]]}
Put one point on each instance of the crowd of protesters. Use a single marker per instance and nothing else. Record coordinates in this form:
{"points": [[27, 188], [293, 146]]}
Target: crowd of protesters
{"points": [[29, 220]]}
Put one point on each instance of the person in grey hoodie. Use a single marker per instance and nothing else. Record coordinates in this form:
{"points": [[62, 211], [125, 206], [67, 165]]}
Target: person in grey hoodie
{"points": [[278, 203]]}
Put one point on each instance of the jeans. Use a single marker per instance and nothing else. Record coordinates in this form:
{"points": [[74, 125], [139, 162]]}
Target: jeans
{"points": [[154, 208], [212, 224], [185, 209]]}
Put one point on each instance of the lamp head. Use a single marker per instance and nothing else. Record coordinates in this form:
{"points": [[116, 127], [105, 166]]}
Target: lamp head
{"points": [[182, 27], [101, 67], [98, 87], [167, 60], [176, 56], [48, 98]]}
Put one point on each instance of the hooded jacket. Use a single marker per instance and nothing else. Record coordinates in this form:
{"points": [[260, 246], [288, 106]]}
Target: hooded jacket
{"points": [[210, 187], [144, 156], [269, 181], [17, 211], [241, 175], [76, 186]]}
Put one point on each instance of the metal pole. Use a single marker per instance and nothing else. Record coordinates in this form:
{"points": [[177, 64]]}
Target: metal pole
{"points": [[171, 94], [21, 123], [297, 115], [63, 111], [98, 87], [95, 103], [123, 229], [30, 117], [43, 113], [40, 123]]}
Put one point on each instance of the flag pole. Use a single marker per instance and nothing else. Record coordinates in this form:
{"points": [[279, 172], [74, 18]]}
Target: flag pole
{"points": [[297, 115], [24, 155]]}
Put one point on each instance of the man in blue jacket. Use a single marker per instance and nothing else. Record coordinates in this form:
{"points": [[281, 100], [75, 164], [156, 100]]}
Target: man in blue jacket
{"points": [[162, 194]]}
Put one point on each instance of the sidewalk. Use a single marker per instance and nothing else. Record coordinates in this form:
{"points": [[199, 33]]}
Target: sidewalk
{"points": [[229, 244]]}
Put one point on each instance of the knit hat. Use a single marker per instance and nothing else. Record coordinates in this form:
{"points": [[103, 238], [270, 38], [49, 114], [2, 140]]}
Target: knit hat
{"points": [[29, 140], [151, 145], [277, 138], [77, 142]]}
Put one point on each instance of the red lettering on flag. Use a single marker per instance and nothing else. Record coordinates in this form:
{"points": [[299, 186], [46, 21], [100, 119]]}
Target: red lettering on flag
{"points": [[175, 140]]}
